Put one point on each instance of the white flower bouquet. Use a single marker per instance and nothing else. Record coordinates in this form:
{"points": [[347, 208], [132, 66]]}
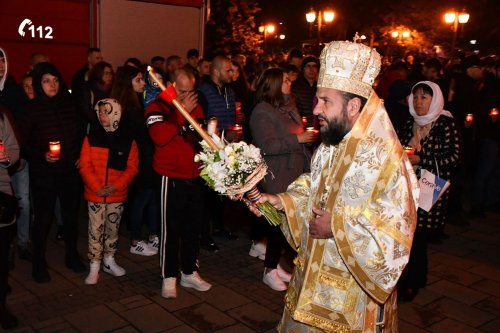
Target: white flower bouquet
{"points": [[234, 170]]}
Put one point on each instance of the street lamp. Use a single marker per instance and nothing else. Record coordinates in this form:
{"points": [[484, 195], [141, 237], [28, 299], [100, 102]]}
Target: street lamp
{"points": [[401, 34], [327, 16], [456, 18], [267, 29]]}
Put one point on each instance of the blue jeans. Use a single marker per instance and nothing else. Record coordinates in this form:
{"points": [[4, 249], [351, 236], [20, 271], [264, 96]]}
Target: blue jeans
{"points": [[143, 205], [21, 186]]}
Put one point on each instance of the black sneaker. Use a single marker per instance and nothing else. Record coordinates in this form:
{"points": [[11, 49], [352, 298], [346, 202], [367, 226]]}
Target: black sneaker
{"points": [[76, 265], [209, 245], [41, 275]]}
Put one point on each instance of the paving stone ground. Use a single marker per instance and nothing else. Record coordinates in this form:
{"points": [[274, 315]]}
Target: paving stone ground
{"points": [[463, 294]]}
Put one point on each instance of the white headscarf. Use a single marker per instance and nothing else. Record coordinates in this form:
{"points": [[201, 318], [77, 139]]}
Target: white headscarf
{"points": [[423, 124], [436, 109]]}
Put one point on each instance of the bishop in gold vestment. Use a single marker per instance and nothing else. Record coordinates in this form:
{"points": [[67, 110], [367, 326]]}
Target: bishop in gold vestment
{"points": [[363, 188]]}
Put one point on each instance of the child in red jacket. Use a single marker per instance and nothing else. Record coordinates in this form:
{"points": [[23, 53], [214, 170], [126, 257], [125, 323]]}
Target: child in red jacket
{"points": [[109, 161]]}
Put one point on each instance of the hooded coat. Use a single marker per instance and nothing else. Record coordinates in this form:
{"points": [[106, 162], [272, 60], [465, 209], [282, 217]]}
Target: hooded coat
{"points": [[109, 156], [12, 95], [44, 119]]}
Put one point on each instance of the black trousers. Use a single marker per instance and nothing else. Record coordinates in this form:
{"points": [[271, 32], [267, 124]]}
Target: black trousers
{"points": [[6, 234], [415, 275], [275, 243], [45, 190], [181, 213]]}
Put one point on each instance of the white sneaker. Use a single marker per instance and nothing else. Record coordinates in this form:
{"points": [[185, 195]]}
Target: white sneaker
{"points": [[169, 288], [154, 244], [141, 248], [194, 281], [110, 266], [93, 277], [272, 279], [283, 275], [258, 250]]}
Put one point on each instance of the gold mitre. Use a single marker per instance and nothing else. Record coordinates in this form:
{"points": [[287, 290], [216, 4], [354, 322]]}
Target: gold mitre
{"points": [[349, 67]]}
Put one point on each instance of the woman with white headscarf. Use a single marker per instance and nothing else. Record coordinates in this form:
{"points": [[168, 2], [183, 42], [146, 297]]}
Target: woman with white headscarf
{"points": [[432, 132]]}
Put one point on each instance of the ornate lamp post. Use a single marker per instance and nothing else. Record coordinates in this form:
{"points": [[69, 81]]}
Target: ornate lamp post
{"points": [[326, 16], [456, 18]]}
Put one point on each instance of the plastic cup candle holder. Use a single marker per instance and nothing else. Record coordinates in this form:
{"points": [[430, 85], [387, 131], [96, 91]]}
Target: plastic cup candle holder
{"points": [[237, 128], [304, 121], [55, 148], [409, 151]]}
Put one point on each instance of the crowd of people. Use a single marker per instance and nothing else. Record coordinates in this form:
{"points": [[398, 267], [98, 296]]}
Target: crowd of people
{"points": [[131, 155]]}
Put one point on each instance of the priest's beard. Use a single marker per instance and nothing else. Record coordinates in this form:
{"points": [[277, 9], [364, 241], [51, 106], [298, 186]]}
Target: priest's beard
{"points": [[334, 130]]}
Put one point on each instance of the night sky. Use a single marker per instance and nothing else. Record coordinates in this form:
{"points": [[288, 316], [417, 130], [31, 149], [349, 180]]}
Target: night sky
{"points": [[483, 24], [291, 13]]}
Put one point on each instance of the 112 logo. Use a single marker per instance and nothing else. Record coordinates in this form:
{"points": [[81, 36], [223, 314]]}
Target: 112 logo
{"points": [[34, 30]]}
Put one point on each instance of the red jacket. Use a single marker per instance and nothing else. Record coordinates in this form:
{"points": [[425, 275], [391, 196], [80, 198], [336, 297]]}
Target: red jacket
{"points": [[96, 174], [175, 147]]}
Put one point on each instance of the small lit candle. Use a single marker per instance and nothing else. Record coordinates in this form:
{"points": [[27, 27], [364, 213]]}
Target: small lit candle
{"points": [[304, 121], [1, 146], [494, 114], [310, 129], [469, 118], [238, 128], [212, 125], [55, 148], [409, 150]]}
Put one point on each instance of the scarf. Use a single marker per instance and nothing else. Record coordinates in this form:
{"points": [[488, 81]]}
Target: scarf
{"points": [[423, 124]]}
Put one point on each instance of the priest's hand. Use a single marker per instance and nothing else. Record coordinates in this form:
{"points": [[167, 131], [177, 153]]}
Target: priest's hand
{"points": [[320, 227], [274, 200]]}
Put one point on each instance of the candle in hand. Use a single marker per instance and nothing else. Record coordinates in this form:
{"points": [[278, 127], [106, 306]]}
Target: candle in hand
{"points": [[409, 150], [469, 118], [237, 128], [494, 114], [1, 146], [304, 121], [55, 148]]}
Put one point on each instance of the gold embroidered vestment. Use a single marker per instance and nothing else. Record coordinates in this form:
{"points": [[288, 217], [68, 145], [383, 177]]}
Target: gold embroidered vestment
{"points": [[346, 283]]}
